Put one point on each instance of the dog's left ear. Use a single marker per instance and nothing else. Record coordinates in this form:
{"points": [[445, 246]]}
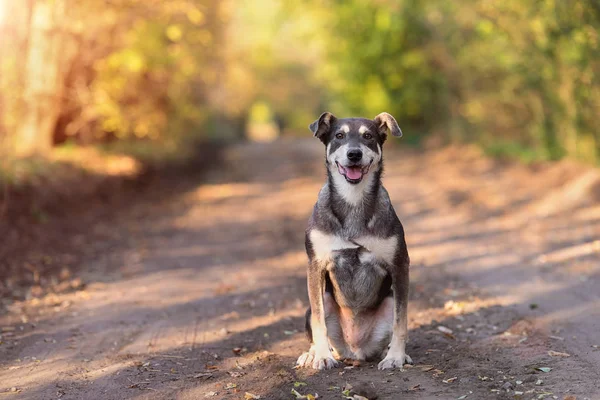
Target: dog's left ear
{"points": [[321, 126], [387, 124]]}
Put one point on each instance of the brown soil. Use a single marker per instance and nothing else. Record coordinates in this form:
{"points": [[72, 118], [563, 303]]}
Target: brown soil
{"points": [[196, 289]]}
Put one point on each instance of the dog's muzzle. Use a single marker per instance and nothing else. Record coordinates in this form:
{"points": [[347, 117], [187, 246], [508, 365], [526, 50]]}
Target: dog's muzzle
{"points": [[354, 173]]}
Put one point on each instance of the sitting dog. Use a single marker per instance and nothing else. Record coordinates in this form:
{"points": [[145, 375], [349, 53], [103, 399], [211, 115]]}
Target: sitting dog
{"points": [[358, 261]]}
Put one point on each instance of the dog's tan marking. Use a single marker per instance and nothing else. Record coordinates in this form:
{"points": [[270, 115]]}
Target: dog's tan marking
{"points": [[345, 128], [363, 129]]}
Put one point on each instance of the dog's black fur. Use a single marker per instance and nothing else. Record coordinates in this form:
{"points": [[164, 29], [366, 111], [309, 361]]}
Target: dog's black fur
{"points": [[356, 249]]}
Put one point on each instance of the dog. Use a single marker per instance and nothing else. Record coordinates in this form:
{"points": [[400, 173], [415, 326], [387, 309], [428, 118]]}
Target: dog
{"points": [[357, 275]]}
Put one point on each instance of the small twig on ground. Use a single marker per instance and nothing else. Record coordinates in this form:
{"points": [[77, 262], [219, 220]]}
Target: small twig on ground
{"points": [[137, 384]]}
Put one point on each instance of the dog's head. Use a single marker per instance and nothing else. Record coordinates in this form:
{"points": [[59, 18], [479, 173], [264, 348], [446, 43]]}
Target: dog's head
{"points": [[354, 145]]}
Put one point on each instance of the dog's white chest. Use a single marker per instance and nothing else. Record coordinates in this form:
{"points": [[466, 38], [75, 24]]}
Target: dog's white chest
{"points": [[377, 248]]}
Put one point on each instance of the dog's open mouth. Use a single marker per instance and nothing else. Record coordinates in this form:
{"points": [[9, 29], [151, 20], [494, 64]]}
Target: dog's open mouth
{"points": [[353, 173]]}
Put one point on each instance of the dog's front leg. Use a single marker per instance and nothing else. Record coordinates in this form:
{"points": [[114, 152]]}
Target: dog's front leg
{"points": [[319, 356], [396, 356]]}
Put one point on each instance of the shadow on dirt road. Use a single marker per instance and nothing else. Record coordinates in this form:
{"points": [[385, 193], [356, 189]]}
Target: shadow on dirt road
{"points": [[205, 294]]}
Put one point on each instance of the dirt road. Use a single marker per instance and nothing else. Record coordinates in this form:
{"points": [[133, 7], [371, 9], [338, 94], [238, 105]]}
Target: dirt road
{"points": [[205, 296]]}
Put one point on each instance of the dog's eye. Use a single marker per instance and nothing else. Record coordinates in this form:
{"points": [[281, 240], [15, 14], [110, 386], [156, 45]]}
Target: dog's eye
{"points": [[339, 135], [368, 136]]}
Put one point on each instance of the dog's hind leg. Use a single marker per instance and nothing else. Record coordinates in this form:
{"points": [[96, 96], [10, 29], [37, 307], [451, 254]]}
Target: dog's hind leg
{"points": [[334, 330]]}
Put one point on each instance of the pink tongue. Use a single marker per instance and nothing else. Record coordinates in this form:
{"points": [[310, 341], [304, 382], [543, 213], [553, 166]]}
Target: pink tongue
{"points": [[354, 172]]}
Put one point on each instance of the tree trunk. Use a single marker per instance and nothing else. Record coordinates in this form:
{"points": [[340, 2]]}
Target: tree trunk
{"points": [[43, 83]]}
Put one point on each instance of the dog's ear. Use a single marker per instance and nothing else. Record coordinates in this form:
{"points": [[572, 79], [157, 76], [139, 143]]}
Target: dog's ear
{"points": [[387, 124], [321, 126]]}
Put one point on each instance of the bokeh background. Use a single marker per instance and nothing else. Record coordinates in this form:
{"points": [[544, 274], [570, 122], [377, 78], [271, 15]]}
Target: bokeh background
{"points": [[157, 174], [518, 78]]}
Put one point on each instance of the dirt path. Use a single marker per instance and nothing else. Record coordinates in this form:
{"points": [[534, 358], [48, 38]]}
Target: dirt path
{"points": [[207, 295]]}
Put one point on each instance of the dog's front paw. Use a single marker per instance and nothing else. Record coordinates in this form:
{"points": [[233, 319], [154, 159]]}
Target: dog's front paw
{"points": [[313, 359], [325, 362], [394, 361], [306, 359]]}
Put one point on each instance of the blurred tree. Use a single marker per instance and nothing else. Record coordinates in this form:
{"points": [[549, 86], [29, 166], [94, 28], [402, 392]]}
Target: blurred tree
{"points": [[511, 75], [516, 77], [124, 67]]}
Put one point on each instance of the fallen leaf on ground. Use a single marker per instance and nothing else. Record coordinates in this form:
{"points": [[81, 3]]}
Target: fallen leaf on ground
{"points": [[224, 289], [443, 329], [231, 315], [544, 369], [298, 384], [211, 394], [544, 395], [415, 388], [250, 396], [205, 375], [307, 397], [450, 380], [425, 368], [507, 386], [231, 386], [553, 353]]}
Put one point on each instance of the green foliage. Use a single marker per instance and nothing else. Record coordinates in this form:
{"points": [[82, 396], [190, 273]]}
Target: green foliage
{"points": [[152, 82], [516, 77], [526, 74]]}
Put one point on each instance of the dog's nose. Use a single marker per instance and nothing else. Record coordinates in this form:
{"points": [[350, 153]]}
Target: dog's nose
{"points": [[354, 155]]}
